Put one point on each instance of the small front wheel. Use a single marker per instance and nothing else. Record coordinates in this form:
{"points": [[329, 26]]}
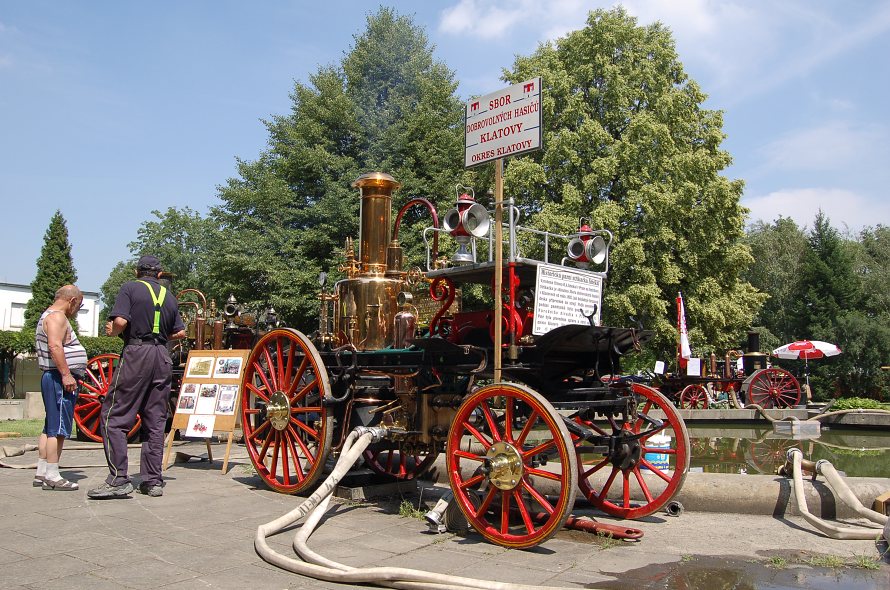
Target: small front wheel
{"points": [[507, 450]]}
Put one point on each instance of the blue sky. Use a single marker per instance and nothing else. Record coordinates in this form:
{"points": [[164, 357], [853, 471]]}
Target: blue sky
{"points": [[109, 109]]}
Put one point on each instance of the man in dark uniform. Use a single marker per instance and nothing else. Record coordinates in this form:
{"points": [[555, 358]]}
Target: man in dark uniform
{"points": [[146, 316]]}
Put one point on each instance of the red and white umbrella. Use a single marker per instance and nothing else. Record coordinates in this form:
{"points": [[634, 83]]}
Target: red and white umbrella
{"points": [[807, 349]]}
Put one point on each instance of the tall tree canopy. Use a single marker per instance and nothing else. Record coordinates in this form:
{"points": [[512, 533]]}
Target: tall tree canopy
{"points": [[388, 106], [55, 268], [628, 144], [779, 248], [181, 239]]}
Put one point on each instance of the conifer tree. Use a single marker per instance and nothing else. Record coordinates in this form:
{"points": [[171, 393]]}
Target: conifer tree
{"points": [[388, 106], [55, 268]]}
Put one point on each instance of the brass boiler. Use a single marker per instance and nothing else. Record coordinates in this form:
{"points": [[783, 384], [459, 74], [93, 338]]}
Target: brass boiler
{"points": [[366, 301]]}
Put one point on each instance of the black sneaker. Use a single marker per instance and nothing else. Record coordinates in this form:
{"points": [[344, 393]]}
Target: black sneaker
{"points": [[108, 491], [151, 490]]}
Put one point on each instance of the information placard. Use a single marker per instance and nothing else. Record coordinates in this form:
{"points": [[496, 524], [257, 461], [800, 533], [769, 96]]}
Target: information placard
{"points": [[565, 296], [210, 392], [503, 123]]}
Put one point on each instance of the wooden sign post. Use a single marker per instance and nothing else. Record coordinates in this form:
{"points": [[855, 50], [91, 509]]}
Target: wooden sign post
{"points": [[209, 397], [500, 124]]}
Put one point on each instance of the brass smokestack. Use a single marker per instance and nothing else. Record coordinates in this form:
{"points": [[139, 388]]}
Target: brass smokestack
{"points": [[376, 215]]}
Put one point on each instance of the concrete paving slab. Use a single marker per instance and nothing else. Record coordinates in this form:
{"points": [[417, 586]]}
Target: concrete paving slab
{"points": [[144, 573], [200, 535]]}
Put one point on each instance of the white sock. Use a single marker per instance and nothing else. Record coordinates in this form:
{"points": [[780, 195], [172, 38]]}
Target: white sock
{"points": [[52, 472], [41, 467]]}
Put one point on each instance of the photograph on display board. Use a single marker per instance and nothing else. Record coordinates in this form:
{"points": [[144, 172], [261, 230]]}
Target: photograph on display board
{"points": [[227, 368], [199, 366], [206, 398], [187, 398], [225, 403], [200, 426]]}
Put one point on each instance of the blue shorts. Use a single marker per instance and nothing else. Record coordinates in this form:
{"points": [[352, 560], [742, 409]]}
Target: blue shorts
{"points": [[59, 405]]}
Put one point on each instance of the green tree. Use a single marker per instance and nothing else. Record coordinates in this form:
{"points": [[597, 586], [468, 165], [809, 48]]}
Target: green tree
{"points": [[388, 106], [828, 285], [181, 239], [628, 144], [55, 268], [122, 272], [778, 249]]}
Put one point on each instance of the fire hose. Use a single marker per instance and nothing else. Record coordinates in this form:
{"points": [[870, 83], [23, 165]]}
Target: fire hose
{"points": [[316, 566], [797, 464]]}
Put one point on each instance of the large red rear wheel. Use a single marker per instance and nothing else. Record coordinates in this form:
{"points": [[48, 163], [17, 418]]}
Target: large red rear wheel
{"points": [[100, 374], [507, 448], [648, 464], [772, 388], [287, 427], [694, 397]]}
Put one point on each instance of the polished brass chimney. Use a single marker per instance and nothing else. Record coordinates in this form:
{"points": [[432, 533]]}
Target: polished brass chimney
{"points": [[366, 299]]}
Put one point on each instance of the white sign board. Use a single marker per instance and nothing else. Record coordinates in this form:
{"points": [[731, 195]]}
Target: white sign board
{"points": [[565, 296], [504, 123]]}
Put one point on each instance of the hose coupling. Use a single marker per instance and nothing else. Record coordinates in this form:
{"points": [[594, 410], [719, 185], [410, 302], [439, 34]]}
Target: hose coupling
{"points": [[435, 517], [673, 508], [378, 433]]}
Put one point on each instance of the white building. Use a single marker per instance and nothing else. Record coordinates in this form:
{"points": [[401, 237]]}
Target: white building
{"points": [[14, 299]]}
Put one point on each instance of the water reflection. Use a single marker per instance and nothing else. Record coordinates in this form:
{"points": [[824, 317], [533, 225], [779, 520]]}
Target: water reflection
{"points": [[712, 573], [745, 449]]}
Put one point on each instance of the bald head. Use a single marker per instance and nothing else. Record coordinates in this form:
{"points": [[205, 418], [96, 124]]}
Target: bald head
{"points": [[68, 292]]}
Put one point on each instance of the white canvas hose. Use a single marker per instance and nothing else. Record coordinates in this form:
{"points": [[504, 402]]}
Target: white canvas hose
{"points": [[832, 530], [316, 566]]}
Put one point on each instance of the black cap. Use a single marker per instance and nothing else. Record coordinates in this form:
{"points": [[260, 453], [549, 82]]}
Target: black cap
{"points": [[148, 262]]}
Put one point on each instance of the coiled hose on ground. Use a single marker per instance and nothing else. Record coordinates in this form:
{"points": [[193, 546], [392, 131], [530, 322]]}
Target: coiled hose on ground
{"points": [[316, 566]]}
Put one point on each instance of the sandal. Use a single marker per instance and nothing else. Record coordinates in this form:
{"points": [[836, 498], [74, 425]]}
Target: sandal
{"points": [[38, 481], [60, 485]]}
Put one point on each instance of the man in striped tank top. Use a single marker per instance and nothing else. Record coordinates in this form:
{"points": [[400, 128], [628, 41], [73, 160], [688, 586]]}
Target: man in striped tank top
{"points": [[64, 361]]}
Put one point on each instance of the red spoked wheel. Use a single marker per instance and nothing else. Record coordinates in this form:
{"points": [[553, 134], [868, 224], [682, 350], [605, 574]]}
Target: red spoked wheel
{"points": [[100, 374], [398, 463], [507, 447], [648, 465], [287, 427], [694, 397], [765, 455], [772, 388]]}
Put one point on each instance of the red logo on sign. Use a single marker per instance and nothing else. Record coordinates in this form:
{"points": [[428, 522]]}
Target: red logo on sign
{"points": [[474, 106], [529, 87]]}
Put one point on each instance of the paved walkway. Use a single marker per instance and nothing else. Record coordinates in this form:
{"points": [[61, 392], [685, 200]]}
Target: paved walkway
{"points": [[200, 535]]}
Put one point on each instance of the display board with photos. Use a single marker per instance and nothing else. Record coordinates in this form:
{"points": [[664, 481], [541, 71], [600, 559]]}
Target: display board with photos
{"points": [[210, 392]]}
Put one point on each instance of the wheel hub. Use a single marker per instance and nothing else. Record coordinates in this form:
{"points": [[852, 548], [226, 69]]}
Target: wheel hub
{"points": [[278, 410], [504, 465], [627, 454]]}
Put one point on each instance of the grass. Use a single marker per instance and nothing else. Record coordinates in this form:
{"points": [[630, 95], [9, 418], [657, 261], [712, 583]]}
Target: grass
{"points": [[606, 540], [866, 562], [407, 510], [830, 561], [686, 557], [247, 468], [23, 427], [777, 562]]}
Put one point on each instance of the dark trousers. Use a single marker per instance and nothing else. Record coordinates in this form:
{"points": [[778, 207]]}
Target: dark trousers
{"points": [[141, 386]]}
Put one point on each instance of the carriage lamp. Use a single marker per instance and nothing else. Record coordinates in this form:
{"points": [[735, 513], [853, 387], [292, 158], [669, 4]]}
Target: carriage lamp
{"points": [[271, 318], [231, 311], [467, 220], [589, 247]]}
